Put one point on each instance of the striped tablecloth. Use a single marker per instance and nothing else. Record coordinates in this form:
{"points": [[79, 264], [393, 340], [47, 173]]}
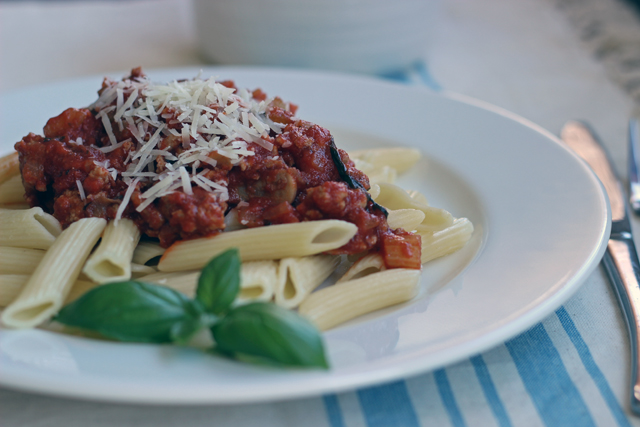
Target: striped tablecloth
{"points": [[571, 369]]}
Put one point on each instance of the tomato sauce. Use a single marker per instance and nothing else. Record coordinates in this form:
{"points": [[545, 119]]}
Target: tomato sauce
{"points": [[297, 180]]}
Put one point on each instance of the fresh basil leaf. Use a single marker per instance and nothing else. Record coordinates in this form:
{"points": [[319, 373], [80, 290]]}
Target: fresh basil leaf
{"points": [[132, 311], [268, 331], [219, 282]]}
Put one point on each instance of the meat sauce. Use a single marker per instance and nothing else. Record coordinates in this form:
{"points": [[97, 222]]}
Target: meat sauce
{"points": [[297, 180]]}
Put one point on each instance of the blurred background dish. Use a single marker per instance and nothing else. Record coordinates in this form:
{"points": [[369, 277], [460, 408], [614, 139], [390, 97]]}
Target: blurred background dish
{"points": [[367, 36]]}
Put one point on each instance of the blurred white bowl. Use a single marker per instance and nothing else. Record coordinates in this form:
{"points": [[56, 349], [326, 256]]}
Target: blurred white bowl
{"points": [[369, 36]]}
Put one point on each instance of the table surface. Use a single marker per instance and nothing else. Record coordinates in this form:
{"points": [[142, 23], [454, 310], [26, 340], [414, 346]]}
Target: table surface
{"points": [[524, 56]]}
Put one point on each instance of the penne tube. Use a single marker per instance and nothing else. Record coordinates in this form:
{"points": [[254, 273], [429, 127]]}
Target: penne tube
{"points": [[181, 281], [436, 218], [48, 287], [407, 219], [443, 242], [11, 284], [374, 191], [15, 206], [418, 197], [139, 270], [384, 174], [9, 166], [19, 260], [12, 191], [375, 173], [368, 264], [79, 288], [393, 197], [343, 301], [111, 261], [400, 159], [297, 277], [31, 228], [146, 251], [257, 280], [260, 243]]}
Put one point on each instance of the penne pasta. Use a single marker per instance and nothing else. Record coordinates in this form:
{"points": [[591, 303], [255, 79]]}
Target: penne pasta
{"points": [[297, 277], [11, 284], [181, 281], [436, 218], [368, 264], [111, 261], [12, 191], [407, 219], [377, 173], [146, 251], [374, 191], [19, 260], [79, 288], [139, 270], [15, 206], [418, 197], [443, 242], [261, 243], [343, 301], [257, 280], [9, 166], [47, 288], [31, 228], [384, 174], [393, 197], [400, 159]]}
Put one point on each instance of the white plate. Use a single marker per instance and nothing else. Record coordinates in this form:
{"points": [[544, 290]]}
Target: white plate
{"points": [[541, 221]]}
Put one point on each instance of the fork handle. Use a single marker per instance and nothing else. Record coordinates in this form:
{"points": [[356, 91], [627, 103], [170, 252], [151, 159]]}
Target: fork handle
{"points": [[621, 264]]}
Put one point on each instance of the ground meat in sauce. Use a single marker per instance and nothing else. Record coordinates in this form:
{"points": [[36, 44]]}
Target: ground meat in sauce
{"points": [[295, 181]]}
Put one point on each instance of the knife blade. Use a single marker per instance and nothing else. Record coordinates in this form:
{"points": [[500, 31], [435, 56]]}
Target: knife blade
{"points": [[634, 179], [620, 260]]}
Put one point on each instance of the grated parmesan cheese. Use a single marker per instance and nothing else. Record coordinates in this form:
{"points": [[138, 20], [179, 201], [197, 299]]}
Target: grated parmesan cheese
{"points": [[206, 116], [126, 198], [186, 180], [80, 190]]}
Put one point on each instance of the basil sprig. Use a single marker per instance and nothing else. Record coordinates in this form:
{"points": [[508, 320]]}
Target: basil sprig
{"points": [[142, 312]]}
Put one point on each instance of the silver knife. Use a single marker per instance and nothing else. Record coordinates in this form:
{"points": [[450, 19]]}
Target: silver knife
{"points": [[634, 183], [620, 260]]}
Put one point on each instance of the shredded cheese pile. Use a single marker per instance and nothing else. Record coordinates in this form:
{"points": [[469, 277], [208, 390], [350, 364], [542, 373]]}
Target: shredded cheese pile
{"points": [[205, 117]]}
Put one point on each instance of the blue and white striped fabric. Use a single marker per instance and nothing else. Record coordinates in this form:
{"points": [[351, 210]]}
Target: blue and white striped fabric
{"points": [[572, 369], [569, 370]]}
